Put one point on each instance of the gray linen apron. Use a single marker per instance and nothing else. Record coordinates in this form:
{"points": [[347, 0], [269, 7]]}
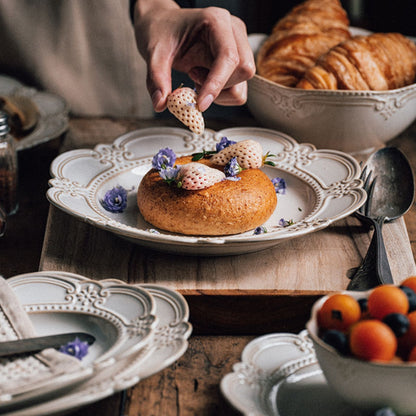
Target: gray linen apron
{"points": [[83, 50]]}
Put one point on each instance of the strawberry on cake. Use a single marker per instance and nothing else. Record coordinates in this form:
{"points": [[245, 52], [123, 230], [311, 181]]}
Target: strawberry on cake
{"points": [[213, 193]]}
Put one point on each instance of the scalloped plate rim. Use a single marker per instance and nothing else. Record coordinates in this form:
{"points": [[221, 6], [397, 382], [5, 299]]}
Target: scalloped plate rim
{"points": [[235, 244]]}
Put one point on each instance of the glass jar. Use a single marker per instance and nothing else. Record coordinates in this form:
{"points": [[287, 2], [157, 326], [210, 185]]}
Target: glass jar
{"points": [[8, 168]]}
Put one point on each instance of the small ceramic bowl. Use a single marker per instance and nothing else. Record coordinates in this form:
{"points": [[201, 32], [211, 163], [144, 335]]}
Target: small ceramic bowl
{"points": [[366, 385], [350, 121]]}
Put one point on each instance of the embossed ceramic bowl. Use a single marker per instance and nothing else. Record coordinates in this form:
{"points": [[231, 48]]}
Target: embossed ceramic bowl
{"points": [[351, 121], [366, 385]]}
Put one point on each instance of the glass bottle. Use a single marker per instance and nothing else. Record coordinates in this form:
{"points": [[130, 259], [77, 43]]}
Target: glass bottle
{"points": [[8, 168]]}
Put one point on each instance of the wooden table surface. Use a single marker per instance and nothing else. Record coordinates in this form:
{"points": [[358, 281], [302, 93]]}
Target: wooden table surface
{"points": [[191, 385]]}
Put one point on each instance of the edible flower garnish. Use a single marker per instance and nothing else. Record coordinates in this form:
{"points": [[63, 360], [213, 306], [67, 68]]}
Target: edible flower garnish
{"points": [[232, 168], [285, 223], [163, 159], [76, 348], [169, 174], [279, 185], [223, 143], [115, 200], [260, 230]]}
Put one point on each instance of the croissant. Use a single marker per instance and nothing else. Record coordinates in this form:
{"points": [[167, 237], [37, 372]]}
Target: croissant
{"points": [[380, 61], [298, 39]]}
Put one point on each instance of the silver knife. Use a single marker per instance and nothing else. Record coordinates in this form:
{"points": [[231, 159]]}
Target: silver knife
{"points": [[32, 345]]}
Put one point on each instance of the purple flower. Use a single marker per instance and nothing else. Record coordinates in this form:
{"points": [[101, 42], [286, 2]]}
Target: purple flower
{"points": [[169, 174], [115, 200], [232, 168], [224, 142], [260, 230], [163, 159], [285, 223], [76, 348], [279, 185]]}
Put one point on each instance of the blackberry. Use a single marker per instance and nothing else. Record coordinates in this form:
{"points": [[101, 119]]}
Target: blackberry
{"points": [[398, 322], [337, 340]]}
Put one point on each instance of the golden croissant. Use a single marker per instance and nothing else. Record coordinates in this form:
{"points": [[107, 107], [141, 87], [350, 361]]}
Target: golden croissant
{"points": [[298, 39], [381, 61]]}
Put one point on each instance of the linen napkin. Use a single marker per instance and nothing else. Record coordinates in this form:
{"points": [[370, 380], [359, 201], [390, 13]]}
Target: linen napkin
{"points": [[26, 373]]}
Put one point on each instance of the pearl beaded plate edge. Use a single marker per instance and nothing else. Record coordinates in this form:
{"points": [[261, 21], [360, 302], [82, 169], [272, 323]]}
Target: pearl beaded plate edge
{"points": [[322, 187]]}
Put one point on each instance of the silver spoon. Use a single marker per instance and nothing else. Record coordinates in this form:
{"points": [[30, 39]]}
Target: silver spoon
{"points": [[390, 190]]}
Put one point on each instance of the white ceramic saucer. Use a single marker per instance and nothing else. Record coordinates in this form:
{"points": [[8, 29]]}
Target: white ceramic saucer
{"points": [[279, 376]]}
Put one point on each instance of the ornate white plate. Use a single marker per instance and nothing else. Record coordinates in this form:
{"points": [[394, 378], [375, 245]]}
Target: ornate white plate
{"points": [[121, 317], [166, 346], [53, 112], [322, 187], [279, 376]]}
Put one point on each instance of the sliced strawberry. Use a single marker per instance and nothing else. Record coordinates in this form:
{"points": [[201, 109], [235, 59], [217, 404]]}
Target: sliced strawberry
{"points": [[182, 104]]}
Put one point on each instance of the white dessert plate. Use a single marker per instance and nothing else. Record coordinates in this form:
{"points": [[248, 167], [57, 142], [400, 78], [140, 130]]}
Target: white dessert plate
{"points": [[322, 186], [279, 376], [53, 112], [168, 343], [119, 316]]}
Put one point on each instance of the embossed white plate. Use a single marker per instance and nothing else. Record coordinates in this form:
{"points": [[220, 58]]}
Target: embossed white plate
{"points": [[279, 376], [322, 187], [119, 316], [166, 346], [53, 112]]}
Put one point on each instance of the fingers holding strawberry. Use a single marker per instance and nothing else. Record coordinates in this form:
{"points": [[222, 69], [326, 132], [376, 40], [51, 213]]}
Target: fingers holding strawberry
{"points": [[182, 103]]}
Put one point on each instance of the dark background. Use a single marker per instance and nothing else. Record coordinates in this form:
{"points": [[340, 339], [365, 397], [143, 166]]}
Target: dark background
{"points": [[377, 15]]}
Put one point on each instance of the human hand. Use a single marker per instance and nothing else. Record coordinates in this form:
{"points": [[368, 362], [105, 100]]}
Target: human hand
{"points": [[210, 45]]}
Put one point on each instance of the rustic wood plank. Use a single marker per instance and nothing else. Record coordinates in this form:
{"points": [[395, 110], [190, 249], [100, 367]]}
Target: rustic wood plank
{"points": [[191, 386], [318, 262]]}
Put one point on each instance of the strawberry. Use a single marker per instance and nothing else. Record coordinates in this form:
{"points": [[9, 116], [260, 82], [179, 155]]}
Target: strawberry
{"points": [[194, 176], [249, 154], [182, 104]]}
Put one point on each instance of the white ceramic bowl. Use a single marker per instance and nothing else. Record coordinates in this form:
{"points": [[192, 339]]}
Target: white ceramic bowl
{"points": [[350, 121], [366, 385]]}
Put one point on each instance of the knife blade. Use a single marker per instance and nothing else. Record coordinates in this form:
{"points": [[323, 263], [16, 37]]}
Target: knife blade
{"points": [[36, 344]]}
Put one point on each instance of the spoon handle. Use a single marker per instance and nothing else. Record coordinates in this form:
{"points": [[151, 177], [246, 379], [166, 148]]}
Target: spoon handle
{"points": [[375, 268], [382, 262]]}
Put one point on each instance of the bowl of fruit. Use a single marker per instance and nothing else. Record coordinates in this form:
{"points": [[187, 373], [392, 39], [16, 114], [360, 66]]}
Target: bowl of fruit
{"points": [[365, 343]]}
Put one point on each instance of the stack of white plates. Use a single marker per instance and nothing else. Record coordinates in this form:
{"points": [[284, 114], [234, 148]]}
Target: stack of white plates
{"points": [[139, 330]]}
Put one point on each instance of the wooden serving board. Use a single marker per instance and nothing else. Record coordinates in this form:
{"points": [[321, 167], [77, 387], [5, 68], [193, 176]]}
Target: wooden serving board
{"points": [[270, 290]]}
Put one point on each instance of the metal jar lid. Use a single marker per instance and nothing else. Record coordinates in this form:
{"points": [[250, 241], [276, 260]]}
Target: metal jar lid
{"points": [[4, 123]]}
